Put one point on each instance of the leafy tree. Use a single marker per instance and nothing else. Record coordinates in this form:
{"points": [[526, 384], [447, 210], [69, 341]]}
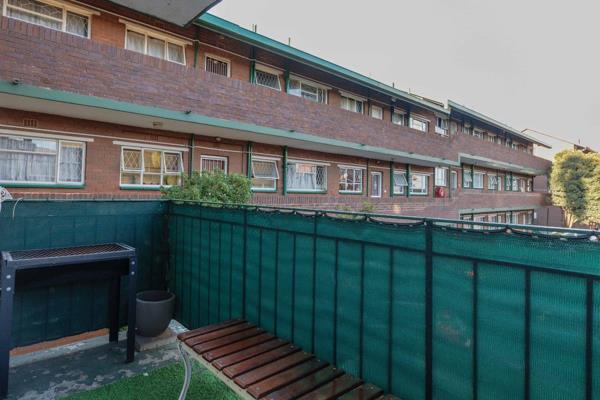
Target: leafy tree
{"points": [[593, 192], [570, 184], [214, 186]]}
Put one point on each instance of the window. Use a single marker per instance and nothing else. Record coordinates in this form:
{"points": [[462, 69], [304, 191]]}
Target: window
{"points": [[400, 182], [151, 167], [213, 163], [453, 180], [264, 174], [376, 112], [265, 78], [467, 178], [478, 133], [491, 138], [398, 118], [529, 185], [376, 184], [492, 182], [499, 183], [441, 126], [41, 161], [306, 177], [478, 180], [217, 65], [467, 129], [351, 180], [419, 184], [154, 44], [515, 184], [308, 90], [54, 16], [352, 104], [419, 124], [441, 176]]}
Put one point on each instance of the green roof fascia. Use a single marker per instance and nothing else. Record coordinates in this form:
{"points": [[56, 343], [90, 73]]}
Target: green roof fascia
{"points": [[228, 28], [490, 121], [60, 96], [490, 163], [493, 210]]}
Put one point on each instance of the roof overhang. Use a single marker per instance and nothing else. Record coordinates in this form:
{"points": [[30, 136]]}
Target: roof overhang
{"points": [[178, 12], [496, 210], [55, 102], [501, 165], [456, 108]]}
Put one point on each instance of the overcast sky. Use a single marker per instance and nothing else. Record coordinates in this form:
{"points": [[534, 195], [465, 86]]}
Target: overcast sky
{"points": [[528, 63]]}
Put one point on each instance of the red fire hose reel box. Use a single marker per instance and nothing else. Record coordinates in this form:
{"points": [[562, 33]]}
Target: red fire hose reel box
{"points": [[440, 192]]}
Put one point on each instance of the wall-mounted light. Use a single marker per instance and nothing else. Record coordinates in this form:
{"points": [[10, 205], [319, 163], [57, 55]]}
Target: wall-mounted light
{"points": [[157, 124]]}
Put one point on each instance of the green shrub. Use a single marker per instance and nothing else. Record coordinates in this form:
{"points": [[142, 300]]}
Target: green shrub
{"points": [[213, 186]]}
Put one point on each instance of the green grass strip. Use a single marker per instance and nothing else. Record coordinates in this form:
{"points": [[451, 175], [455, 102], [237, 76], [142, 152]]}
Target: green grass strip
{"points": [[162, 384]]}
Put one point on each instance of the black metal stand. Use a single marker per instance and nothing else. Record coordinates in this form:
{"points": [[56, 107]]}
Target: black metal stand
{"points": [[75, 264]]}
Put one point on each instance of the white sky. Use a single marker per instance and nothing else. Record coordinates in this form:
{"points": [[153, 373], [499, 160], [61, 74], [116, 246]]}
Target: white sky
{"points": [[528, 63]]}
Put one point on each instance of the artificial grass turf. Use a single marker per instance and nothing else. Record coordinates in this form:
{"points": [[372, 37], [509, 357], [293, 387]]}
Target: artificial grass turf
{"points": [[162, 384]]}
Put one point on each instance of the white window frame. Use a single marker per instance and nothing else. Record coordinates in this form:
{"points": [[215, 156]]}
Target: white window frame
{"points": [[380, 109], [401, 187], [275, 179], [492, 182], [307, 82], [311, 163], [214, 158], [412, 187], [441, 126], [478, 173], [59, 143], [466, 183], [354, 169], [419, 119], [84, 12], [357, 100], [218, 58], [141, 171], [478, 133], [380, 174], [168, 39], [402, 115], [442, 178], [267, 70]]}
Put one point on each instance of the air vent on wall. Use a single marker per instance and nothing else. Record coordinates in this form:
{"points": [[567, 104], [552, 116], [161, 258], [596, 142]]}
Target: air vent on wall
{"points": [[30, 123]]}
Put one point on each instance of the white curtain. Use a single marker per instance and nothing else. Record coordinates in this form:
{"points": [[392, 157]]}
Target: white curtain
{"points": [[135, 41], [25, 167], [156, 48], [71, 158], [302, 177], [41, 10], [77, 24], [175, 53]]}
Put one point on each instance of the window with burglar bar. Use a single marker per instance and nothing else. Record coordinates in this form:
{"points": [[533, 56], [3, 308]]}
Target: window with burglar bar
{"points": [[306, 177], [217, 66], [148, 167], [351, 180], [213, 163], [50, 15], [267, 79]]}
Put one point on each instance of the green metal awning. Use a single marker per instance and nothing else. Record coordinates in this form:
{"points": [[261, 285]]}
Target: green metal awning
{"points": [[178, 12]]}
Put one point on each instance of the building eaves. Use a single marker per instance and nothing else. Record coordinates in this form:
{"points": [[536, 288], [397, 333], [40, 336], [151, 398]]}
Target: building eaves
{"points": [[227, 28], [453, 106]]}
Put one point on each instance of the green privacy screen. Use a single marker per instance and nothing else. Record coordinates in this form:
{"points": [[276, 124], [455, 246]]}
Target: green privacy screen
{"points": [[423, 310], [52, 312]]}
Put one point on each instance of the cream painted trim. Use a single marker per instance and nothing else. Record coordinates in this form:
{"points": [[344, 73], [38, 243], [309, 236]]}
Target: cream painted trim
{"points": [[310, 82], [268, 69], [150, 146], [297, 161], [352, 96], [14, 132], [352, 166], [265, 158], [154, 33], [70, 7]]}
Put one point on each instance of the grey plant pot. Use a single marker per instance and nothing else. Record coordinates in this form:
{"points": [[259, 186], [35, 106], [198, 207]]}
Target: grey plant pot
{"points": [[154, 310]]}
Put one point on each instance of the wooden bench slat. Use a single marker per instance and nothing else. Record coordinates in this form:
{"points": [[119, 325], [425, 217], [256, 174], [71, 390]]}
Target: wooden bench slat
{"points": [[237, 346], [246, 354], [206, 329], [306, 384], [285, 378], [363, 392], [258, 361], [272, 368], [207, 337], [227, 340], [334, 389]]}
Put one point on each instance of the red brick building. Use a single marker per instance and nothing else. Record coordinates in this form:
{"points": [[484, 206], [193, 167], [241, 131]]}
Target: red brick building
{"points": [[100, 100]]}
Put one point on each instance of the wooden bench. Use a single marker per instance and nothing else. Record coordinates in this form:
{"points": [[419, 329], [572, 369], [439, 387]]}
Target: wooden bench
{"points": [[258, 365]]}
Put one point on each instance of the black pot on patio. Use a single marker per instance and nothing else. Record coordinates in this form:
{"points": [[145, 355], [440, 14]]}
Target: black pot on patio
{"points": [[154, 310]]}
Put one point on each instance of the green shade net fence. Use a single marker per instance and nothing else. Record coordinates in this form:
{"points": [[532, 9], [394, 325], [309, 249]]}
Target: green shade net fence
{"points": [[423, 309]]}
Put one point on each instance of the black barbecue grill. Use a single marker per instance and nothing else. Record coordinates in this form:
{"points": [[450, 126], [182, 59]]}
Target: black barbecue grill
{"points": [[47, 267]]}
